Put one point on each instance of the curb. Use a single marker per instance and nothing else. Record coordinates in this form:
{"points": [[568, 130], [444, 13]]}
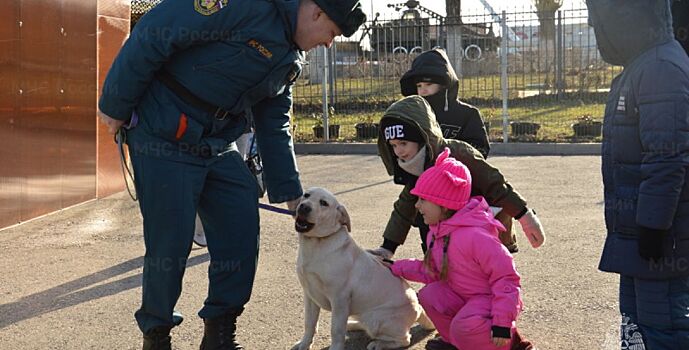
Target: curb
{"points": [[496, 149]]}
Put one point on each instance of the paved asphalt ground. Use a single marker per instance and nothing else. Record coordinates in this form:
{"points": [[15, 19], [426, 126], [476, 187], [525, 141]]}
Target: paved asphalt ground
{"points": [[71, 280]]}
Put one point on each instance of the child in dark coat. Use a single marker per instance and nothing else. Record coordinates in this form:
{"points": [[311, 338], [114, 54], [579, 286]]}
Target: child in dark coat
{"points": [[432, 76]]}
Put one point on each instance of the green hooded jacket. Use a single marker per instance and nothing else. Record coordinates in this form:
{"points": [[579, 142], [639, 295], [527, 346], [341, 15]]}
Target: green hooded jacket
{"points": [[487, 180]]}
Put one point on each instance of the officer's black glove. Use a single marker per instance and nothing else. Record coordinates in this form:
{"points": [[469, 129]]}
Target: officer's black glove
{"points": [[651, 243]]}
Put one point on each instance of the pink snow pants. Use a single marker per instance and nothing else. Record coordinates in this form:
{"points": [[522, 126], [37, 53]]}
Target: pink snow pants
{"points": [[464, 323]]}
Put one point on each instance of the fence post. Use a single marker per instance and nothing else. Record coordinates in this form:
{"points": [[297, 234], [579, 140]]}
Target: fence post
{"points": [[560, 56], [455, 51], [332, 53], [503, 78], [324, 90]]}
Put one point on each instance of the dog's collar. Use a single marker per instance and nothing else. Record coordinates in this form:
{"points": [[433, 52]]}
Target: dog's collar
{"points": [[328, 236]]}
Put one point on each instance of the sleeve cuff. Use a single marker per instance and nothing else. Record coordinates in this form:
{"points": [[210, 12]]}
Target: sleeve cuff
{"points": [[390, 245], [109, 109], [500, 332], [655, 212], [283, 198], [521, 213], [396, 270]]}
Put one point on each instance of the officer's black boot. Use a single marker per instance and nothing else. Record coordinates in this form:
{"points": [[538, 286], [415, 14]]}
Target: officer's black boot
{"points": [[157, 338], [219, 333]]}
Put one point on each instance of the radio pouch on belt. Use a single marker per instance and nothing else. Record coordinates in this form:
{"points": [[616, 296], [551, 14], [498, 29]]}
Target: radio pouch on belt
{"points": [[253, 162]]}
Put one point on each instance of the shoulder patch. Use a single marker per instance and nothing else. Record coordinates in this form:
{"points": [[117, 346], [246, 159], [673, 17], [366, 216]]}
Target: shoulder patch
{"points": [[260, 48], [209, 7], [621, 106]]}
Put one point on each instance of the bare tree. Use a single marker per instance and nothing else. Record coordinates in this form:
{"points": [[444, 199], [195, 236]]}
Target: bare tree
{"points": [[545, 10]]}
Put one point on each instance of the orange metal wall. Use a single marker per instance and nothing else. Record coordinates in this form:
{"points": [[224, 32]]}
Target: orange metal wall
{"points": [[49, 143], [10, 185], [113, 29]]}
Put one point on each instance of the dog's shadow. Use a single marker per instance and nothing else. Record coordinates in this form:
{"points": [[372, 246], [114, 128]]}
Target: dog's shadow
{"points": [[357, 340]]}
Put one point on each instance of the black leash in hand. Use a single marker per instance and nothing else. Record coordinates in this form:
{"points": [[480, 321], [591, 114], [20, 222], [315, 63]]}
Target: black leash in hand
{"points": [[121, 140]]}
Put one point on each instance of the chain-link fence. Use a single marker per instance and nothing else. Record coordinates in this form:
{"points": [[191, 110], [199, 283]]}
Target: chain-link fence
{"points": [[554, 73], [140, 7]]}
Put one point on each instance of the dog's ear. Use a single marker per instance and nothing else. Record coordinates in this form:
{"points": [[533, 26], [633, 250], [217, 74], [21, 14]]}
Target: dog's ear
{"points": [[344, 217]]}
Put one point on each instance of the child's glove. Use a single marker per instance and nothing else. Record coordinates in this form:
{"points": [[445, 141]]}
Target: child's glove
{"points": [[651, 243], [532, 228], [381, 252]]}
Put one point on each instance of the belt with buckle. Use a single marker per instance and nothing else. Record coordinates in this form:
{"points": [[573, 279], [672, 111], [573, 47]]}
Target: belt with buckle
{"points": [[187, 96]]}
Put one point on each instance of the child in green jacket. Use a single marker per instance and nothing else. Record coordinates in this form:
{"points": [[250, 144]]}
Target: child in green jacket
{"points": [[409, 140]]}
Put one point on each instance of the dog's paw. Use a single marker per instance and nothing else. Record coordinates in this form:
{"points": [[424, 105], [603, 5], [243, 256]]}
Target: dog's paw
{"points": [[339, 346], [301, 346], [383, 344], [375, 345]]}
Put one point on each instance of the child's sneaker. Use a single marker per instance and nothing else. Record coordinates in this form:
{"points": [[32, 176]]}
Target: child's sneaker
{"points": [[438, 343]]}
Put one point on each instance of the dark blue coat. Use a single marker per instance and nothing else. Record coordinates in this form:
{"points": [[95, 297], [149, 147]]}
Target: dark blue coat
{"points": [[236, 54], [645, 136]]}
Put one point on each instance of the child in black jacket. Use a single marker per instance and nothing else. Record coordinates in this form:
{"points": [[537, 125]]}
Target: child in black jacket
{"points": [[432, 76]]}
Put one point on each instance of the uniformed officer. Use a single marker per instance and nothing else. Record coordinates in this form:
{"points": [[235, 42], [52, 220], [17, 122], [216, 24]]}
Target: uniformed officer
{"points": [[182, 85]]}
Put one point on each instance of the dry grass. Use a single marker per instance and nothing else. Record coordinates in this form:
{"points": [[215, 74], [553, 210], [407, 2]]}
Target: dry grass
{"points": [[555, 118]]}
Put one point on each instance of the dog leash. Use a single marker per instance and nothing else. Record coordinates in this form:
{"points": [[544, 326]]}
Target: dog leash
{"points": [[121, 140], [276, 209]]}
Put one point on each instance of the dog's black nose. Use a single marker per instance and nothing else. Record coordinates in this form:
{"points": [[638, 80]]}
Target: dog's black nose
{"points": [[303, 209]]}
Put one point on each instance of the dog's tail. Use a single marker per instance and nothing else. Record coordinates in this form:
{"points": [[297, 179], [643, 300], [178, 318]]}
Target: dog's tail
{"points": [[425, 322]]}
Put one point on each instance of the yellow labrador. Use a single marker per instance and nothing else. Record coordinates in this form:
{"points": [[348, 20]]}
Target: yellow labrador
{"points": [[337, 275]]}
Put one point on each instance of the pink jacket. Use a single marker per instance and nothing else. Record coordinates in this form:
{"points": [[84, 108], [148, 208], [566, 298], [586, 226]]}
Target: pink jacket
{"points": [[478, 264]]}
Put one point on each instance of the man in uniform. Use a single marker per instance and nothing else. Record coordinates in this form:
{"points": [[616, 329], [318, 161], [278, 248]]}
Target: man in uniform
{"points": [[645, 164], [181, 87]]}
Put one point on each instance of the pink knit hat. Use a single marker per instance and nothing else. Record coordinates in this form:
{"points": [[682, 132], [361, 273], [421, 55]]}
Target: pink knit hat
{"points": [[447, 183]]}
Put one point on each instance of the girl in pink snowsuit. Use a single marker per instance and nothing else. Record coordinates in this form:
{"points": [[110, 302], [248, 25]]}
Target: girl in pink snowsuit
{"points": [[472, 287]]}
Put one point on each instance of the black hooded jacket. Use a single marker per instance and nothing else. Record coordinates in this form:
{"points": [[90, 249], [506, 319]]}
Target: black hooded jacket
{"points": [[458, 120]]}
